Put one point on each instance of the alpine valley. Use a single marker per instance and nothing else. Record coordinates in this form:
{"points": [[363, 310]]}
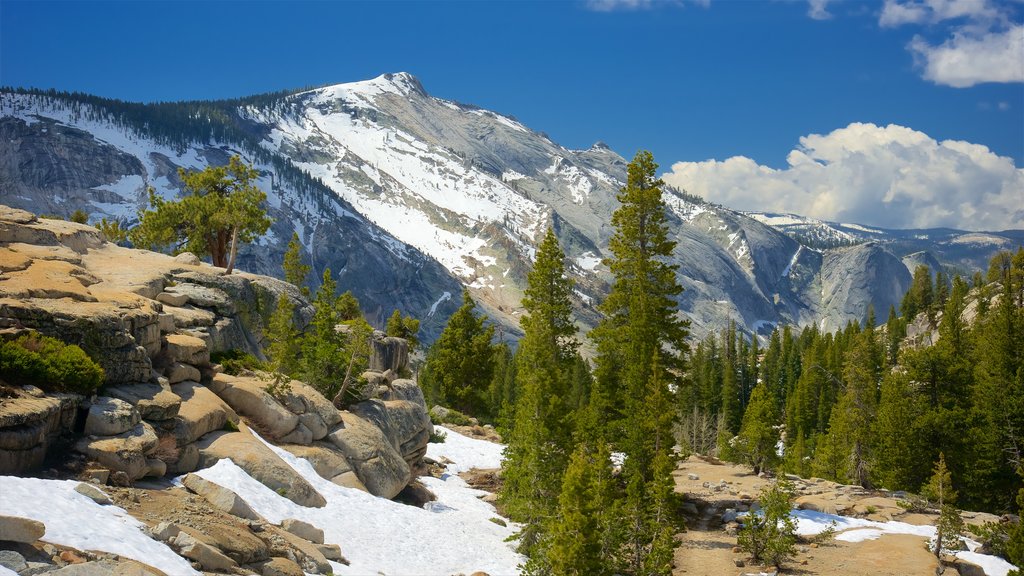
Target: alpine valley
{"points": [[409, 198]]}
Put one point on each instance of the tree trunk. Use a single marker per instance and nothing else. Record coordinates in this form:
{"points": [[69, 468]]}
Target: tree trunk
{"points": [[234, 250]]}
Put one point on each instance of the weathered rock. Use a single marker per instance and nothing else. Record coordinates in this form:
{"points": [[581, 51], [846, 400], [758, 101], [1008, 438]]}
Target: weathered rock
{"points": [[315, 412], [153, 401], [201, 412], [219, 496], [261, 463], [389, 353], [303, 530], [186, 349], [329, 462], [172, 299], [190, 316], [166, 323], [93, 493], [18, 529], [188, 259], [187, 461], [279, 567], [124, 452], [28, 425], [13, 561], [205, 297], [110, 416], [402, 389], [165, 531], [207, 556], [312, 559], [406, 425], [248, 397], [377, 463], [178, 372], [332, 552]]}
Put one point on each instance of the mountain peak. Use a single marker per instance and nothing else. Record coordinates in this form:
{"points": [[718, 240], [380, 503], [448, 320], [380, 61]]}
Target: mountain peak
{"points": [[404, 82]]}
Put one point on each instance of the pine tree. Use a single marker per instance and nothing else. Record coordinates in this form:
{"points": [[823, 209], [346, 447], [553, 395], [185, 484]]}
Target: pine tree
{"points": [[771, 535], [460, 364], [295, 271], [403, 327], [576, 535], [541, 439], [940, 490], [285, 345], [898, 444], [640, 347], [758, 435]]}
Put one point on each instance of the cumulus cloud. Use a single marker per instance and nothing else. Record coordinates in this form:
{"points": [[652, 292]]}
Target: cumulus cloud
{"points": [[888, 176], [967, 59], [985, 43]]}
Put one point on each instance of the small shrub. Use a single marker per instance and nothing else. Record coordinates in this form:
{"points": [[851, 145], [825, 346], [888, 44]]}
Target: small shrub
{"points": [[230, 426], [826, 535], [872, 509], [770, 536], [79, 216], [49, 364], [450, 416], [279, 386], [237, 361], [438, 437]]}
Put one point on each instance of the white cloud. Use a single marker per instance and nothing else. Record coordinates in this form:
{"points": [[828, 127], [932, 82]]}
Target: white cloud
{"points": [[967, 59], [890, 176], [900, 12], [818, 9], [627, 5], [985, 43]]}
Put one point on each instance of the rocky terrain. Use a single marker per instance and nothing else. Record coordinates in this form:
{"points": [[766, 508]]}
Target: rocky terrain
{"points": [[409, 197], [165, 411], [874, 534]]}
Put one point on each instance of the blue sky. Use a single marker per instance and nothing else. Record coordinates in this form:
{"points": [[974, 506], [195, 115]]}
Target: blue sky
{"points": [[689, 81]]}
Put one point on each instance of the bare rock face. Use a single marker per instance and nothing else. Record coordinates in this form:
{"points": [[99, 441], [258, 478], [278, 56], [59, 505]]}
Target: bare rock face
{"points": [[329, 462], [200, 413], [124, 452], [110, 416], [405, 424], [153, 401], [17, 529], [261, 463], [219, 496], [377, 462], [28, 425], [389, 353], [248, 397]]}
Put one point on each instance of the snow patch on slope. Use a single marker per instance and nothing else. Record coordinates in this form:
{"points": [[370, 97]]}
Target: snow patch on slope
{"points": [[75, 521]]}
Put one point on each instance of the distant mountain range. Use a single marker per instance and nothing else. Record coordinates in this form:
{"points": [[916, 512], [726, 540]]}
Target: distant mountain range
{"points": [[409, 198]]}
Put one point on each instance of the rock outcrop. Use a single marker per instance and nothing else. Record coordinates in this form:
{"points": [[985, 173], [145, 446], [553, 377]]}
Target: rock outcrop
{"points": [[152, 322]]}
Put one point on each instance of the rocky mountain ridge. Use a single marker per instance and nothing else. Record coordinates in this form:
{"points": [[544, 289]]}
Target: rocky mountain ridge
{"points": [[408, 198]]}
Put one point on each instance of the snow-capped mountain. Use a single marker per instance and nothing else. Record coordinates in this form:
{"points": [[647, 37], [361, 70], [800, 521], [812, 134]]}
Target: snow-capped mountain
{"points": [[408, 198]]}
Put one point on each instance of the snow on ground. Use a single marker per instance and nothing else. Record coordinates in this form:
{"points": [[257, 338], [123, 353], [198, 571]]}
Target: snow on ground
{"points": [[7, 572], [75, 521], [849, 529], [450, 535]]}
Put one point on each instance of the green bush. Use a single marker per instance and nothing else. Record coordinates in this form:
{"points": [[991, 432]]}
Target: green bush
{"points": [[450, 416], [237, 361], [49, 364]]}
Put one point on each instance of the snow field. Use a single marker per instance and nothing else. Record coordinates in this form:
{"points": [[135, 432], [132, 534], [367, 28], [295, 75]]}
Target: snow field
{"points": [[450, 535], [849, 529], [75, 521]]}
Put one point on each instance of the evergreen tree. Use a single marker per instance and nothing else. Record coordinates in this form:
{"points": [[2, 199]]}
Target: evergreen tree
{"points": [[222, 209], [576, 530], [940, 490], [295, 271], [640, 342], [460, 365], [540, 440], [759, 435], [284, 344], [898, 443], [771, 536], [403, 327]]}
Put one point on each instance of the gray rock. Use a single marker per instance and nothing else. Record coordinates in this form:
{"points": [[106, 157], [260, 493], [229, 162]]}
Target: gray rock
{"points": [[124, 452], [172, 299], [178, 372], [110, 416], [207, 556], [303, 530], [165, 531], [389, 353], [153, 401], [17, 529], [186, 349], [201, 412], [248, 397], [93, 493], [188, 258], [279, 567], [219, 496], [13, 561], [332, 552], [253, 456], [377, 463]]}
